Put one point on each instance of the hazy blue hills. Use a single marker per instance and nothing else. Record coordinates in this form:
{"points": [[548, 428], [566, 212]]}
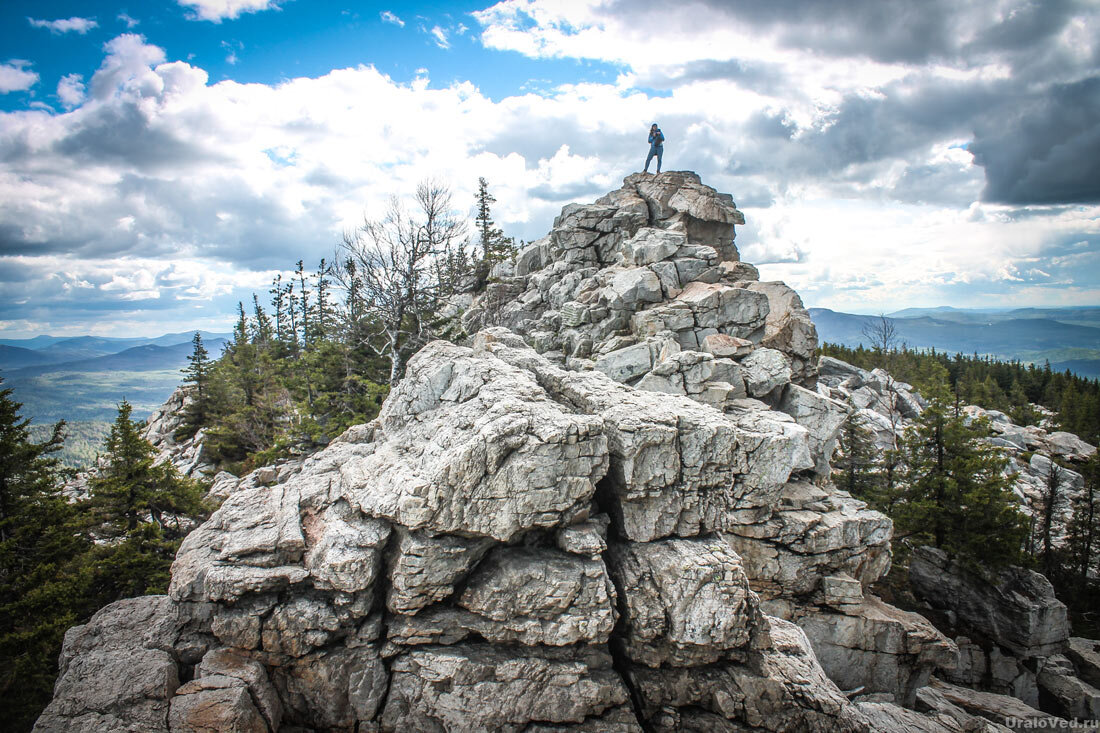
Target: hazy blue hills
{"points": [[19, 353], [1061, 336], [147, 357], [84, 378]]}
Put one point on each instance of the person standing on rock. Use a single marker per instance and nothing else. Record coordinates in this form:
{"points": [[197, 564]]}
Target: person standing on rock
{"points": [[656, 147]]}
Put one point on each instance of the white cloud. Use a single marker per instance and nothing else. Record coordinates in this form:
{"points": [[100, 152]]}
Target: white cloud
{"points": [[70, 90], [69, 25], [440, 37], [388, 17], [219, 10], [130, 22], [14, 77], [218, 185]]}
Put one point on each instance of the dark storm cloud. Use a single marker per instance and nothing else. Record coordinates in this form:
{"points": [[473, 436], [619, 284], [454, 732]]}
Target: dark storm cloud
{"points": [[891, 31], [1044, 148]]}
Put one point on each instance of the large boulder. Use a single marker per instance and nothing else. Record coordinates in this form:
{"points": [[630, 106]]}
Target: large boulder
{"points": [[1013, 607]]}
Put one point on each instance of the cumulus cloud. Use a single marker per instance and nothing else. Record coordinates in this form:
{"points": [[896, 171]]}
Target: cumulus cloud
{"points": [[219, 10], [14, 76], [128, 21], [68, 25], [850, 165], [389, 17], [849, 91], [70, 90]]}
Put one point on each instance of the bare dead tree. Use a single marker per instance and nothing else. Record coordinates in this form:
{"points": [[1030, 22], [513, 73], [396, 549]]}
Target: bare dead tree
{"points": [[881, 333], [389, 264]]}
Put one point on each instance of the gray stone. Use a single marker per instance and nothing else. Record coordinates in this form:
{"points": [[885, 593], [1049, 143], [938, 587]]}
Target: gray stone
{"points": [[999, 709], [215, 704], [821, 416], [461, 430], [1064, 693], [1085, 654], [627, 363], [1014, 607], [879, 648], [783, 690], [688, 603], [764, 371], [472, 687], [426, 569], [115, 671]]}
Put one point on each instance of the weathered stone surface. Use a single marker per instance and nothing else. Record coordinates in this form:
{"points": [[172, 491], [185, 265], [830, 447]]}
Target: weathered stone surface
{"points": [[215, 704], [117, 671], [821, 416], [1015, 607], [626, 363], [686, 602], [426, 569], [998, 708], [533, 596], [765, 370], [790, 552], [785, 690], [1064, 694], [232, 664], [474, 687], [878, 648], [1085, 654], [460, 431]]}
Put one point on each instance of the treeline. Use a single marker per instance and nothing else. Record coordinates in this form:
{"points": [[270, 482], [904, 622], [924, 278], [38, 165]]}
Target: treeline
{"points": [[945, 485], [1009, 386], [322, 353], [64, 556]]}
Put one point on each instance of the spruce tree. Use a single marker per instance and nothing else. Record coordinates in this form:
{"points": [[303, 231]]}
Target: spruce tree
{"points": [[42, 583], [957, 491], [197, 374], [131, 488], [856, 468], [1083, 528]]}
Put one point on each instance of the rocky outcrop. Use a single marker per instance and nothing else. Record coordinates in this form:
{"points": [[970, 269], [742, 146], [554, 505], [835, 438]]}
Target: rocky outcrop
{"points": [[1014, 607], [609, 513]]}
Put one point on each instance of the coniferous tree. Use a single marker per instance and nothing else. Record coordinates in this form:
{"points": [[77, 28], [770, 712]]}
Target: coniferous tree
{"points": [[1083, 528], [495, 247], [856, 467], [130, 488], [43, 587], [957, 492], [197, 374]]}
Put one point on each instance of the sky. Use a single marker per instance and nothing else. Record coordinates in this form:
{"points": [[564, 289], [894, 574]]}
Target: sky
{"points": [[160, 162]]}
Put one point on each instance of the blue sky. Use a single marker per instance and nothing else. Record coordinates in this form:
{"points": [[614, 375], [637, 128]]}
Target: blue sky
{"points": [[157, 165]]}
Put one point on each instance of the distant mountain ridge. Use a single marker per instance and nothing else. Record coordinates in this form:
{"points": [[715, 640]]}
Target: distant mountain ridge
{"points": [[84, 378], [137, 358], [53, 350], [1061, 336]]}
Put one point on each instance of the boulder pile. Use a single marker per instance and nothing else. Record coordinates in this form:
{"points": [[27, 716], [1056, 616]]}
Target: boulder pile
{"points": [[608, 511]]}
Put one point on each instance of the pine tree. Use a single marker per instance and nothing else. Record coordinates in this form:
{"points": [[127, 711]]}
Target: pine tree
{"points": [[495, 247], [42, 587], [856, 468], [958, 494], [197, 374], [142, 510], [1083, 528]]}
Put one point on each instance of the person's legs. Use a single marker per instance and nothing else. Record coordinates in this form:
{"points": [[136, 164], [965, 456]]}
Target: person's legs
{"points": [[648, 159], [660, 154]]}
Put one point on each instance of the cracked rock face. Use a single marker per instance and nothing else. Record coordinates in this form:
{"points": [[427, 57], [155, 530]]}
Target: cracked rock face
{"points": [[587, 520]]}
